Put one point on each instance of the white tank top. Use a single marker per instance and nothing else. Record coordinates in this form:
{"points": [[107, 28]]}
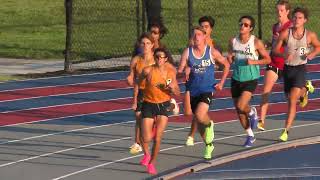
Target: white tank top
{"points": [[298, 48], [245, 51], [241, 70]]}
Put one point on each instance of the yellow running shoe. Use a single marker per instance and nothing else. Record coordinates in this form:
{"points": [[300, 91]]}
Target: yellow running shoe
{"points": [[304, 99], [261, 126], [190, 141], [208, 151], [284, 136], [310, 86]]}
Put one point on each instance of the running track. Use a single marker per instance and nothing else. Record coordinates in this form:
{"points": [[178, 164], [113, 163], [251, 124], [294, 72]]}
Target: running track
{"points": [[105, 99]]}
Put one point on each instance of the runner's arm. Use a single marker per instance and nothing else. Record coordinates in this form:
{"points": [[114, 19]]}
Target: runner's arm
{"points": [[230, 55], [131, 76], [223, 61], [280, 42], [316, 46], [173, 86], [262, 53]]}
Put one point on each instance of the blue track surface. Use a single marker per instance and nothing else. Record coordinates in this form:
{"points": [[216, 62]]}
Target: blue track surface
{"points": [[301, 162]]}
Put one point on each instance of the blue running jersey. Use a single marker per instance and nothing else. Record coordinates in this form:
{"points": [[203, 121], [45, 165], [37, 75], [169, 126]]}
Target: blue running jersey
{"points": [[201, 79]]}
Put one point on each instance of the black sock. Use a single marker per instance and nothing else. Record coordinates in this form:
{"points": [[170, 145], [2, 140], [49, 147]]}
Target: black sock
{"points": [[307, 88], [208, 125]]}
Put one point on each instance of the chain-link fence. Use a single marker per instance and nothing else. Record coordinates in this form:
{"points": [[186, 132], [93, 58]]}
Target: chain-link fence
{"points": [[107, 29]]}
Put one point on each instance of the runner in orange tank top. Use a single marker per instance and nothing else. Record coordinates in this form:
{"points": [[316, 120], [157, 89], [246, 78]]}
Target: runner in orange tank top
{"points": [[161, 84], [138, 63]]}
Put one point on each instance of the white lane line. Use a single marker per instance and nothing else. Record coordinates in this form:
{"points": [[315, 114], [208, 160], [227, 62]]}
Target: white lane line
{"points": [[60, 85], [125, 109], [78, 75], [59, 118], [64, 132], [67, 76], [123, 98], [74, 148], [265, 169], [111, 89], [167, 149], [60, 105], [65, 94], [125, 138]]}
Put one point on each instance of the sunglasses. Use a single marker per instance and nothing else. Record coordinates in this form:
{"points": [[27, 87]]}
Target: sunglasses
{"points": [[161, 57], [244, 24], [155, 32]]}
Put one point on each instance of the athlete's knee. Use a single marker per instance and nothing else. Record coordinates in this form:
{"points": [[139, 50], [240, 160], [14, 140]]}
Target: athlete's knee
{"points": [[241, 108], [146, 138], [200, 117]]}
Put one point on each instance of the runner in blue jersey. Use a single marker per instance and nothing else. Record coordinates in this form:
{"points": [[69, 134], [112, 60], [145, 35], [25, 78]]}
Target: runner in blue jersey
{"points": [[200, 58]]}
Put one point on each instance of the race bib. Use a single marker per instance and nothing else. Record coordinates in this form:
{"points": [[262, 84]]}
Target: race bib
{"points": [[206, 63], [303, 51]]}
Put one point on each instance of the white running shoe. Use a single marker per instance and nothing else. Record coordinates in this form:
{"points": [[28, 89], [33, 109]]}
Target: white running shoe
{"points": [[190, 141], [135, 149]]}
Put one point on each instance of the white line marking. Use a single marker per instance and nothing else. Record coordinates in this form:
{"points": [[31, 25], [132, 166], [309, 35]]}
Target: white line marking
{"points": [[43, 87], [265, 169], [60, 85], [74, 148], [65, 132], [44, 120], [86, 102], [167, 149], [59, 118], [57, 95], [125, 138], [66, 76], [60, 105]]}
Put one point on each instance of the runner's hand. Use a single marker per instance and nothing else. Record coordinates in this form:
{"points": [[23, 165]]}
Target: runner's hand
{"points": [[219, 86], [134, 106]]}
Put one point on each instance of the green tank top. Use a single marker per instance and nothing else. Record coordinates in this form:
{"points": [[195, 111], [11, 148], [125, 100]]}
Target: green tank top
{"points": [[241, 70]]}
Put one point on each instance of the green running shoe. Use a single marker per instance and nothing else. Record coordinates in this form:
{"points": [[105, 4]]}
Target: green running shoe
{"points": [[310, 86], [284, 136], [208, 151], [209, 133]]}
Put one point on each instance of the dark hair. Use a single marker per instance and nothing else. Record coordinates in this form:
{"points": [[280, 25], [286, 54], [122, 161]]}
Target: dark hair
{"points": [[137, 49], [286, 4], [304, 11], [166, 52], [252, 21], [146, 35], [208, 19], [159, 24]]}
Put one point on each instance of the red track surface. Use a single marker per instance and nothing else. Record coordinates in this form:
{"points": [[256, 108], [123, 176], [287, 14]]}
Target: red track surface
{"points": [[87, 87]]}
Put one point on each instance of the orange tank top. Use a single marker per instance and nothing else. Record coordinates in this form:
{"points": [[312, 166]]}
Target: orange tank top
{"points": [[153, 91], [141, 64]]}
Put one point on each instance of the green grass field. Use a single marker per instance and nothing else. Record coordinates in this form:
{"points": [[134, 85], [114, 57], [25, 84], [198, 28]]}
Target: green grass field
{"points": [[32, 29], [105, 28]]}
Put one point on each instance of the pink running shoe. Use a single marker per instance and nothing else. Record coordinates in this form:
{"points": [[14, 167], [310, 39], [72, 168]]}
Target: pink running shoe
{"points": [[145, 160], [151, 169]]}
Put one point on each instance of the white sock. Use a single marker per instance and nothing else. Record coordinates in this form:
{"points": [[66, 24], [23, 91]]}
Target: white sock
{"points": [[250, 132], [251, 112]]}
